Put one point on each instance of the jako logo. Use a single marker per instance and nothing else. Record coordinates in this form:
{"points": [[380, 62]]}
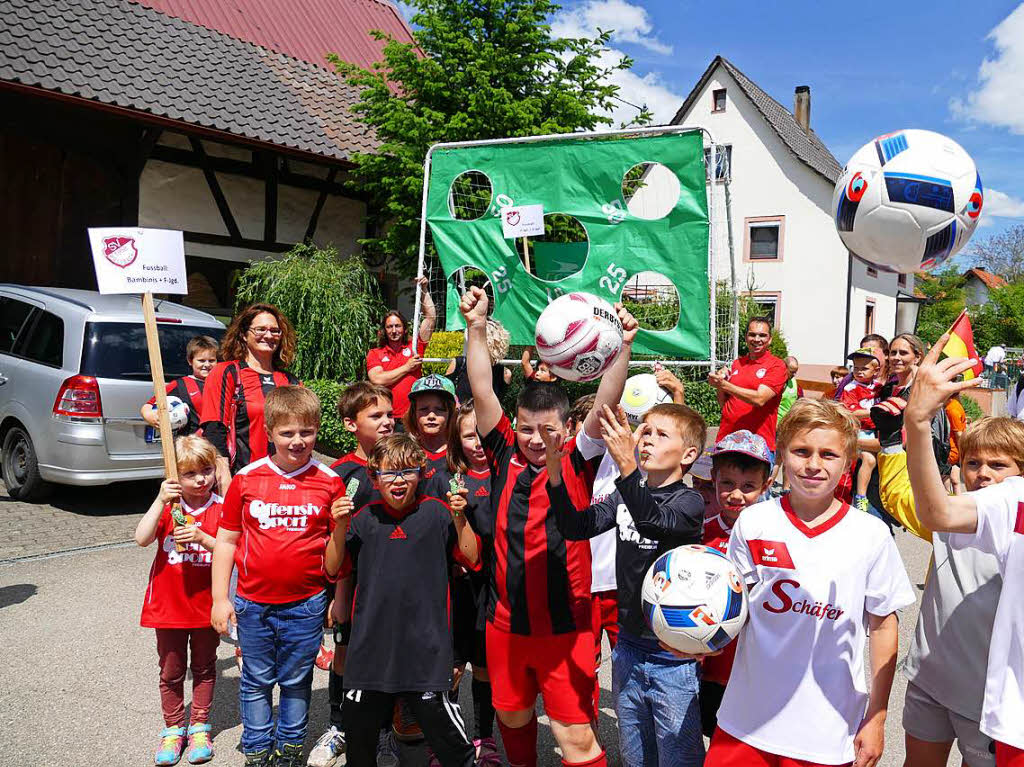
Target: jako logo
{"points": [[286, 487], [279, 515], [802, 606]]}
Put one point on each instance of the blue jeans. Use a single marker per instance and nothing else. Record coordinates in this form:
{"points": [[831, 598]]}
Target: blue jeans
{"points": [[657, 707], [279, 645]]}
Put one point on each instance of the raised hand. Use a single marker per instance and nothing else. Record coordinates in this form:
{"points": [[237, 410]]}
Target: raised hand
{"points": [[630, 327], [668, 381], [934, 385], [618, 438], [474, 306], [553, 457], [341, 510]]}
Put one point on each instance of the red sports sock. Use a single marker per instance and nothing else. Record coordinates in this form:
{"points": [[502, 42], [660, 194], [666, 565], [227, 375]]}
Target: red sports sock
{"points": [[520, 743], [598, 761]]}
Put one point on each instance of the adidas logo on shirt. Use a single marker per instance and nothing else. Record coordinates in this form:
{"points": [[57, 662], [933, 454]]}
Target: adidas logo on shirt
{"points": [[398, 534], [481, 492]]}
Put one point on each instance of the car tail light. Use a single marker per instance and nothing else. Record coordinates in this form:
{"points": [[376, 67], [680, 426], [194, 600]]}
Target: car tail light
{"points": [[79, 397]]}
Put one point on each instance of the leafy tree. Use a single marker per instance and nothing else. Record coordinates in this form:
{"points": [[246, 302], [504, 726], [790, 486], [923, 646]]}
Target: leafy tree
{"points": [[334, 305], [479, 69], [945, 291], [1001, 253]]}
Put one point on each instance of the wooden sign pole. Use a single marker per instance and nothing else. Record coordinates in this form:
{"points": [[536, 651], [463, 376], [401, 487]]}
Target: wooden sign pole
{"points": [[156, 367]]}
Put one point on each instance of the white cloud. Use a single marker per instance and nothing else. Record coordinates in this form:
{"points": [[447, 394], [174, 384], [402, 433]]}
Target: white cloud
{"points": [[998, 98], [629, 23], [1002, 205]]}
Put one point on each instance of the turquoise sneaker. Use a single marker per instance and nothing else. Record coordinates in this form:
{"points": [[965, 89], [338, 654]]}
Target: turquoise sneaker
{"points": [[172, 744], [200, 747]]}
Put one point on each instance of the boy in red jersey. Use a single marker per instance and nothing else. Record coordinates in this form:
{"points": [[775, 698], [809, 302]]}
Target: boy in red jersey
{"points": [[990, 520], [365, 409], [818, 577], [178, 599], [741, 468], [275, 526], [201, 354], [539, 634]]}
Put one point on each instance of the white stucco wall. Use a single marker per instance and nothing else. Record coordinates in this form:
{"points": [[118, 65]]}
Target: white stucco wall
{"points": [[767, 179]]}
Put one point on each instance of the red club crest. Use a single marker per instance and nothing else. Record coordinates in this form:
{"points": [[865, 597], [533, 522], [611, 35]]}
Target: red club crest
{"points": [[512, 217], [120, 251]]}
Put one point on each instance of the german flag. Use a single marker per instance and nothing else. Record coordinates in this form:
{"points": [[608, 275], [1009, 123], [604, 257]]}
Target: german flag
{"points": [[961, 345]]}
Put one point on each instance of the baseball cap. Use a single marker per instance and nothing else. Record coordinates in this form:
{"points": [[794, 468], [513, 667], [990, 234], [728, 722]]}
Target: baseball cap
{"points": [[701, 468], [862, 352], [746, 443], [433, 383]]}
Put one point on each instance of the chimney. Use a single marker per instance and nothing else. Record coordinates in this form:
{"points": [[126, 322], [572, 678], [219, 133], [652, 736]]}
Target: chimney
{"points": [[802, 107]]}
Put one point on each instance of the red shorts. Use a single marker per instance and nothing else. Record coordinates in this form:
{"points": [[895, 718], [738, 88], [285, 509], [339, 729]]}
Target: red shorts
{"points": [[727, 751], [1008, 756], [605, 613], [559, 667]]}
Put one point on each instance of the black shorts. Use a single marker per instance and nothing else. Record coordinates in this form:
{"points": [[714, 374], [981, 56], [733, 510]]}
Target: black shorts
{"points": [[468, 640]]}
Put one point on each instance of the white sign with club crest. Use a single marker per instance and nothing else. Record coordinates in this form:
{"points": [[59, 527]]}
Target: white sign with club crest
{"points": [[133, 260], [522, 221]]}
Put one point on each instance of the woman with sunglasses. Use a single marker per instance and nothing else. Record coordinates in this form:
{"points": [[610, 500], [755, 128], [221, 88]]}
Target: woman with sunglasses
{"points": [[257, 347]]}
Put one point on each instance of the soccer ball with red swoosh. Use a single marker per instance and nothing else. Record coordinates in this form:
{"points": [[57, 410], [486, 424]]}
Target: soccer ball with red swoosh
{"points": [[694, 599]]}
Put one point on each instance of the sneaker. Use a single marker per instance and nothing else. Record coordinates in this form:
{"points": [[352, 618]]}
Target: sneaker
{"points": [[860, 502], [200, 747], [487, 753], [328, 749], [406, 728], [387, 750], [324, 658], [172, 744], [258, 758], [289, 755]]}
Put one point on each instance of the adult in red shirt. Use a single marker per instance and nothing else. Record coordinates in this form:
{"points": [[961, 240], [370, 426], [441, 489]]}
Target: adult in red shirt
{"points": [[393, 362], [257, 347], [750, 389]]}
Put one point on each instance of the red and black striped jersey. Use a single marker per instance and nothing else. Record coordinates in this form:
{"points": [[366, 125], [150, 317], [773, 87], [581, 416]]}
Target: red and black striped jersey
{"points": [[232, 416], [351, 466], [539, 582], [189, 390]]}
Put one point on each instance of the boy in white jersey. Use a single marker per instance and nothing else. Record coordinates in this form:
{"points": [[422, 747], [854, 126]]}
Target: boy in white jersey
{"points": [[818, 576], [990, 520]]}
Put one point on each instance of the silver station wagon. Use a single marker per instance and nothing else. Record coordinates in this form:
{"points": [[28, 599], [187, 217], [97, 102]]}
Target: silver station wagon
{"points": [[74, 372]]}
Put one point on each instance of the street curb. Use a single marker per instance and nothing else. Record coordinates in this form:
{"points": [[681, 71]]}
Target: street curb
{"points": [[66, 552]]}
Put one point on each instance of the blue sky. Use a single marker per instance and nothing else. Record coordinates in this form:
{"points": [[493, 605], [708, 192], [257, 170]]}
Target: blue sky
{"points": [[953, 67]]}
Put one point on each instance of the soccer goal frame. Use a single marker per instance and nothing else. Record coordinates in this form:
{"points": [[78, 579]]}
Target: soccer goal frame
{"points": [[723, 321]]}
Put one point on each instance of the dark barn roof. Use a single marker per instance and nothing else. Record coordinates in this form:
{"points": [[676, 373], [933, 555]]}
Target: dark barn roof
{"points": [[119, 54]]}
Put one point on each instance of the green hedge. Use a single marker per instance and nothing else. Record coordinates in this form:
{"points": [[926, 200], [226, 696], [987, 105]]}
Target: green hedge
{"points": [[444, 343], [972, 408], [332, 438]]}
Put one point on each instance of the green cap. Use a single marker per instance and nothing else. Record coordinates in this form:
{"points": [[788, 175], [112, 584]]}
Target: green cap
{"points": [[432, 383], [862, 352]]}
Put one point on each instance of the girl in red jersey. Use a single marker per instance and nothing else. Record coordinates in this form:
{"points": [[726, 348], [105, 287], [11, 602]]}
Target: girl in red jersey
{"points": [[178, 600], [258, 346]]}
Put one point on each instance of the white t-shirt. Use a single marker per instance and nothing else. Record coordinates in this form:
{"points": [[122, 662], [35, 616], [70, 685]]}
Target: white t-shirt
{"points": [[1001, 532], [995, 355], [602, 547], [798, 683]]}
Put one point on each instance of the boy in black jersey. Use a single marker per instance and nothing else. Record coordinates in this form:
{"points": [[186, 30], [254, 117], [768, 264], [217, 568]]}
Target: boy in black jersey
{"points": [[655, 692], [201, 354], [365, 409], [401, 547]]}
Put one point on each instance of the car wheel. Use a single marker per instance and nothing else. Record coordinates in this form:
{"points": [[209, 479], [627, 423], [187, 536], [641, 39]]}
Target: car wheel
{"points": [[21, 469]]}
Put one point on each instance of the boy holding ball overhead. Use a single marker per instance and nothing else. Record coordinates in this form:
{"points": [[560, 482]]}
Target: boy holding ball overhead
{"points": [[539, 635], [818, 577]]}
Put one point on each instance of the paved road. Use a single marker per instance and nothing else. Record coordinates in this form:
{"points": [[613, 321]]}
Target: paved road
{"points": [[79, 676]]}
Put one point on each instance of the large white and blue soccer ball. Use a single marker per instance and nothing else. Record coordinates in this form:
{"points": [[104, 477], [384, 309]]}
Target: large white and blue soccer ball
{"points": [[178, 412], [694, 599], [579, 336], [908, 201]]}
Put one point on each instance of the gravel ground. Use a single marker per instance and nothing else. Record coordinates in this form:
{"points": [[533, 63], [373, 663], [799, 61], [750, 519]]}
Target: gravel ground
{"points": [[80, 676]]}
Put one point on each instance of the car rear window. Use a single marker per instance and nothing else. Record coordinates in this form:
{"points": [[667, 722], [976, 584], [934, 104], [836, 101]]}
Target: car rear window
{"points": [[118, 349]]}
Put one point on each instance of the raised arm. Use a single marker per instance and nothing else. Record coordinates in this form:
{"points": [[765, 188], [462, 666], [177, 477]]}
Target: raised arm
{"points": [[429, 312], [609, 391], [933, 386], [478, 360]]}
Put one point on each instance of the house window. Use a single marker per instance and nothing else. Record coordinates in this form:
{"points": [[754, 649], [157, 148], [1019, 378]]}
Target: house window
{"points": [[871, 271], [718, 100], [723, 165], [763, 238], [901, 280], [869, 317], [768, 305]]}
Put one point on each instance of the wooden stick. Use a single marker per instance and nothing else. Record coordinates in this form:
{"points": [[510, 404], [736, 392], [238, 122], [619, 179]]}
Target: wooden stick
{"points": [[526, 254], [156, 367]]}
